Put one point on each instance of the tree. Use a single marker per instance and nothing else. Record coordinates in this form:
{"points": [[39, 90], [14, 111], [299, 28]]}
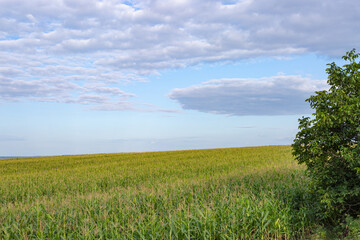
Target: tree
{"points": [[328, 144]]}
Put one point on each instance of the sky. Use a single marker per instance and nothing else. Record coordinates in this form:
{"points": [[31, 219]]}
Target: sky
{"points": [[107, 76]]}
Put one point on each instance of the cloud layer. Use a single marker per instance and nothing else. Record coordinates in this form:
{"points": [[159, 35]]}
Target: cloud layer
{"points": [[278, 95], [51, 49]]}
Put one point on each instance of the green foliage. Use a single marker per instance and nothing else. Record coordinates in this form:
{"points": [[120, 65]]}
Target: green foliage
{"points": [[352, 228], [238, 193], [349, 230], [328, 144]]}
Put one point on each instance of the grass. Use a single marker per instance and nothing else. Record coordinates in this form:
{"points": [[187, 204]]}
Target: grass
{"points": [[234, 193]]}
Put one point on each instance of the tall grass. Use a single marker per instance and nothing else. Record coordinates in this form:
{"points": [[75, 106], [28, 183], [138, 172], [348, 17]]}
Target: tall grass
{"points": [[235, 193]]}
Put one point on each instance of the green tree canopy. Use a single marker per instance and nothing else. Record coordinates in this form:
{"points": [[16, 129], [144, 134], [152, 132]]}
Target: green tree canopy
{"points": [[328, 144]]}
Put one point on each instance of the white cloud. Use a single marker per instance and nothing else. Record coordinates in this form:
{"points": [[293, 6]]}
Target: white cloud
{"points": [[93, 95], [112, 41], [62, 91], [278, 95]]}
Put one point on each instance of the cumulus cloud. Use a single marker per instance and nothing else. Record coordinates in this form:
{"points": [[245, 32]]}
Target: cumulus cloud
{"points": [[115, 41], [213, 29], [277, 95], [62, 91], [96, 96]]}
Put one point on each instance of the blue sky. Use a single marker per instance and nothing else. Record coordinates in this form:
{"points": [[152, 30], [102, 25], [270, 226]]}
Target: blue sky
{"points": [[101, 76]]}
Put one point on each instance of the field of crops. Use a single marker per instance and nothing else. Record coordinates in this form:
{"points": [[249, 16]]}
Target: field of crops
{"points": [[234, 193]]}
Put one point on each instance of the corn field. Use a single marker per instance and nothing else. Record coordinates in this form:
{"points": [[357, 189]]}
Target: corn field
{"points": [[233, 193]]}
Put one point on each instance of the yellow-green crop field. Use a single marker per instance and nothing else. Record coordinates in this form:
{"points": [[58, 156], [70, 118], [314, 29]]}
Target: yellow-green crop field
{"points": [[234, 193]]}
